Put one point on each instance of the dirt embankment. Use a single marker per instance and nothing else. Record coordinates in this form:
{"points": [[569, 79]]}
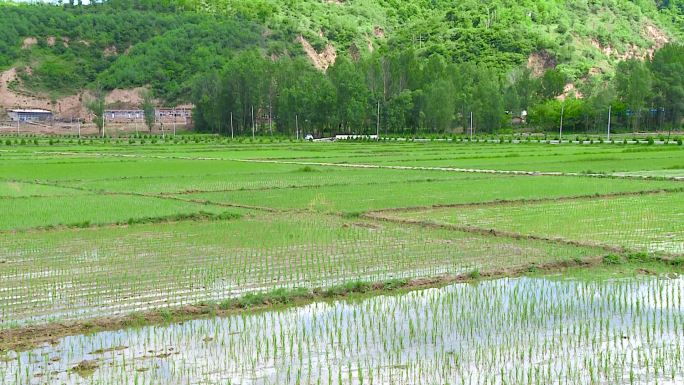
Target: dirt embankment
{"points": [[540, 61], [73, 106], [70, 106], [125, 98]]}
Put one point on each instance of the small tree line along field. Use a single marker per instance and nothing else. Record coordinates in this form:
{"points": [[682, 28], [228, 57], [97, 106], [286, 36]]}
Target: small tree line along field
{"points": [[116, 231]]}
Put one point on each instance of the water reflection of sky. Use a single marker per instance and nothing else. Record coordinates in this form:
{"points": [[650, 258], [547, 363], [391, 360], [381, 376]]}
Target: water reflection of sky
{"points": [[429, 336]]}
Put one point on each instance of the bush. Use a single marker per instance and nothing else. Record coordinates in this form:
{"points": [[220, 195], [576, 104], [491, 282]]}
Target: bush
{"points": [[349, 287], [307, 169], [166, 315], [394, 284], [251, 299], [612, 259], [639, 257]]}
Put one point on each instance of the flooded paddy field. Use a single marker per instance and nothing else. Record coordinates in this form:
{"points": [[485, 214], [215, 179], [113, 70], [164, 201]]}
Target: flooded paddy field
{"points": [[506, 331], [161, 238]]}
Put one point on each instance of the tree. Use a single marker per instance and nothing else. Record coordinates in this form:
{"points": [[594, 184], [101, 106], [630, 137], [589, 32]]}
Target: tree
{"points": [[439, 105], [488, 107], [352, 94], [552, 84], [148, 109], [398, 111], [633, 83], [668, 69], [97, 107]]}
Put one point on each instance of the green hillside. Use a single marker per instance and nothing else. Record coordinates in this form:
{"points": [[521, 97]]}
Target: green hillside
{"points": [[125, 43], [176, 46]]}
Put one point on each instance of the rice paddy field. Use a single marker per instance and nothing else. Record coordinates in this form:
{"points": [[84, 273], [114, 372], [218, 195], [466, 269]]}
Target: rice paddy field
{"points": [[341, 263]]}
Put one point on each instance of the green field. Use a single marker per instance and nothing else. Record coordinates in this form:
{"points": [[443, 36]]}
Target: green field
{"points": [[650, 223], [112, 229]]}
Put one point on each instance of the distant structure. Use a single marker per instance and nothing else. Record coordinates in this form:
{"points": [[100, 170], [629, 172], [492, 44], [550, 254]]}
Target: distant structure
{"points": [[30, 115], [179, 115], [124, 116], [161, 115]]}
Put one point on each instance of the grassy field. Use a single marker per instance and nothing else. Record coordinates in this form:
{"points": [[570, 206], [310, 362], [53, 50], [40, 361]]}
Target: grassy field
{"points": [[111, 229]]}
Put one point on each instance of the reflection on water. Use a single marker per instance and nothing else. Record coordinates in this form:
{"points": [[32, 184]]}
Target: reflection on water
{"points": [[510, 331]]}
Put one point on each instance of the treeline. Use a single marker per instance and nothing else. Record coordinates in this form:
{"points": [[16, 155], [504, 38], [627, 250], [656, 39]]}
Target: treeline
{"points": [[409, 94], [643, 95]]}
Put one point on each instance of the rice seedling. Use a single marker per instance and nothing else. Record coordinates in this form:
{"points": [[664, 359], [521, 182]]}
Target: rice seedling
{"points": [[94, 229], [645, 223], [74, 273], [522, 331]]}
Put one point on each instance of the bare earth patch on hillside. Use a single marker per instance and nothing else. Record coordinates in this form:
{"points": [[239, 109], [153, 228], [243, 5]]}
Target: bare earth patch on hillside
{"points": [[67, 106], [29, 42], [321, 60], [540, 61]]}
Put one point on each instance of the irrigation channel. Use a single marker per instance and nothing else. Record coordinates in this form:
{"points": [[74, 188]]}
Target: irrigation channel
{"points": [[507, 331]]}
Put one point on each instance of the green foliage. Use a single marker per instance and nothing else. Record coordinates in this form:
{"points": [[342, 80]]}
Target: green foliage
{"points": [[612, 259], [633, 83], [667, 67], [97, 107], [148, 110], [429, 64], [417, 94]]}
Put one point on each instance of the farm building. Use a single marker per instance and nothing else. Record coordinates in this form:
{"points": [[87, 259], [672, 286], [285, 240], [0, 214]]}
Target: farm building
{"points": [[124, 115], [165, 115], [173, 114], [29, 115]]}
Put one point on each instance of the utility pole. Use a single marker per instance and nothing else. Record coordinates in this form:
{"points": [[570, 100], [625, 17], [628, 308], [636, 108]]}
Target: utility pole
{"points": [[471, 126], [610, 108], [231, 125], [174, 122], [103, 124], [377, 126], [79, 128], [297, 125], [270, 121], [252, 121], [560, 137]]}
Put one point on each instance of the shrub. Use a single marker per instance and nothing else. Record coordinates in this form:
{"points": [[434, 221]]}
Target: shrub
{"points": [[612, 259], [394, 284], [166, 315], [251, 299], [639, 257], [307, 169]]}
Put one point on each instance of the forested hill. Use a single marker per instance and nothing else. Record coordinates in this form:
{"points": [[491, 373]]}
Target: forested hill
{"points": [[426, 63], [60, 49]]}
